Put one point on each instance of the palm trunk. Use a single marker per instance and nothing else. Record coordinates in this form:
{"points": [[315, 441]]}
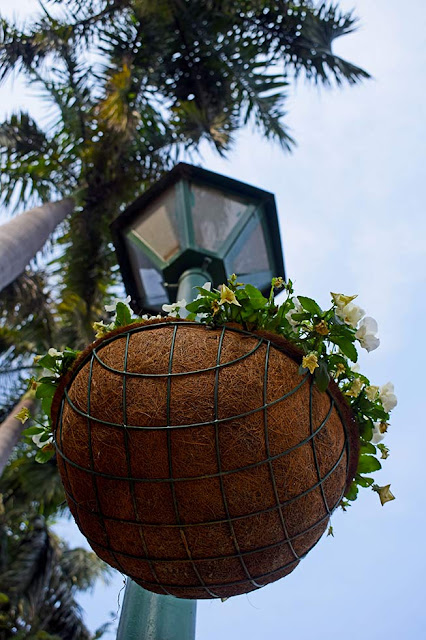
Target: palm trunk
{"points": [[11, 429], [22, 237]]}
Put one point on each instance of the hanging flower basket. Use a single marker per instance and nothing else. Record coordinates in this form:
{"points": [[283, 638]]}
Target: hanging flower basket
{"points": [[197, 460], [204, 457]]}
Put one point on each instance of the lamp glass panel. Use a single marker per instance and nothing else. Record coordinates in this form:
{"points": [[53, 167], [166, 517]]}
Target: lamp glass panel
{"points": [[158, 228], [253, 255], [214, 216], [148, 278]]}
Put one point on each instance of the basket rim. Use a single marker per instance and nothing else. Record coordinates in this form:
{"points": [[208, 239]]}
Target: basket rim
{"points": [[279, 342]]}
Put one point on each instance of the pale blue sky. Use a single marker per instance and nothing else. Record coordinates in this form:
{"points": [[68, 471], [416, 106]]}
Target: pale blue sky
{"points": [[351, 200]]}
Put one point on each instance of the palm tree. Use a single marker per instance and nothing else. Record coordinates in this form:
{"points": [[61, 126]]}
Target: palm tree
{"points": [[39, 574], [23, 236]]}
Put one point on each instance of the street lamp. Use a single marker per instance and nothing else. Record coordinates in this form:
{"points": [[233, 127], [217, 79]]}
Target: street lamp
{"points": [[193, 226]]}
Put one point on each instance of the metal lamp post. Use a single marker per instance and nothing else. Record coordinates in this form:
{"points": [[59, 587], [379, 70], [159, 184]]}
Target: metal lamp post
{"points": [[191, 227]]}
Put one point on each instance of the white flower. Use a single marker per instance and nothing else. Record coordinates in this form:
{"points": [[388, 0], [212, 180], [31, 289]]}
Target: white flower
{"points": [[36, 439], [350, 314], [171, 309], [372, 392], [388, 397], [366, 334], [354, 367], [55, 354], [113, 305], [378, 434], [297, 309]]}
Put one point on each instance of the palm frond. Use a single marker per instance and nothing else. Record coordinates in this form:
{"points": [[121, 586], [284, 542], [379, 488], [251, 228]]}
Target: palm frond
{"points": [[18, 51], [29, 488], [83, 568], [30, 162], [306, 37], [41, 585], [27, 327]]}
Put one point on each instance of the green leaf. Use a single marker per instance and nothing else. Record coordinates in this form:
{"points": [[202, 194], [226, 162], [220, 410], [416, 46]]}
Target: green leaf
{"points": [[368, 464], [123, 315], [298, 317], [44, 455], [197, 305], [321, 376], [376, 413], [50, 379], [352, 492], [45, 390], [32, 431], [364, 482], [346, 347], [208, 294], [335, 359], [367, 447], [257, 299], [47, 362], [73, 352], [46, 436], [366, 430], [310, 305], [46, 405]]}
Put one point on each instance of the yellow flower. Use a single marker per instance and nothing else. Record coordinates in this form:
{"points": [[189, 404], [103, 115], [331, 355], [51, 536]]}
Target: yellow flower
{"points": [[215, 307], [385, 493], [100, 328], [321, 328], [278, 283], [355, 388], [310, 362], [226, 295], [23, 415], [340, 300], [340, 368], [372, 392], [37, 358]]}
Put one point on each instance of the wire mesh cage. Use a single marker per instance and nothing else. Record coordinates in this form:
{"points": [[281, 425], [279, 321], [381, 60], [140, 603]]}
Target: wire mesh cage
{"points": [[199, 461]]}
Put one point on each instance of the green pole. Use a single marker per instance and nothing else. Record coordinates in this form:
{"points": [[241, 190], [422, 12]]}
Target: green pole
{"points": [[188, 281], [151, 616]]}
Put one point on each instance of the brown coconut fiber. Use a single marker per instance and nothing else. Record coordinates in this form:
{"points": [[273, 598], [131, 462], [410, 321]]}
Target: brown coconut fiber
{"points": [[199, 461]]}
